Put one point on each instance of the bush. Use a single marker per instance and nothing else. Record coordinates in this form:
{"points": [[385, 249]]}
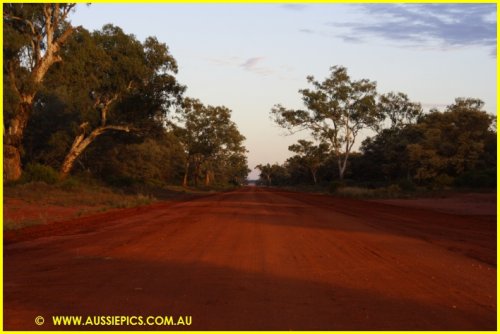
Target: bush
{"points": [[477, 179], [443, 180], [335, 186], [407, 185], [121, 181], [355, 192], [71, 184], [40, 173], [392, 191]]}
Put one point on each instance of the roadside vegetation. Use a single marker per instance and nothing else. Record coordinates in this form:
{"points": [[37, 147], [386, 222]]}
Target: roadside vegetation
{"points": [[411, 153], [105, 106], [99, 119]]}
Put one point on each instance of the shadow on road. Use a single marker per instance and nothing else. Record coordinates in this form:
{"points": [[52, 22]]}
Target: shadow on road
{"points": [[217, 299]]}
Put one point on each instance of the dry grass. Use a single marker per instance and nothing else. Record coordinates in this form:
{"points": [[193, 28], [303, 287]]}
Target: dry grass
{"points": [[39, 203], [356, 192], [44, 194]]}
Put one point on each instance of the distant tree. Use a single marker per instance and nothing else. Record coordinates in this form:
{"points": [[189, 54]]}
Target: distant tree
{"points": [[280, 174], [297, 170], [385, 156], [211, 139], [233, 169], [33, 37], [311, 156], [265, 173], [274, 175], [398, 109], [337, 110], [453, 141]]}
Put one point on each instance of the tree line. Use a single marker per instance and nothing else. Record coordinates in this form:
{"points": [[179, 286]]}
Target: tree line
{"points": [[106, 104], [454, 147]]}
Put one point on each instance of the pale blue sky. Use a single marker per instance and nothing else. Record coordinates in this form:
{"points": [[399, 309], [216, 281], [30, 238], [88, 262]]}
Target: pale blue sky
{"points": [[250, 57]]}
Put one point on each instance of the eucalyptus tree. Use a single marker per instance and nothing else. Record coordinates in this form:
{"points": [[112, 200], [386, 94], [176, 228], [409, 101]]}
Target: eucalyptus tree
{"points": [[385, 154], [312, 156], [398, 108], [34, 35], [111, 82], [337, 109], [211, 139], [266, 173], [453, 142]]}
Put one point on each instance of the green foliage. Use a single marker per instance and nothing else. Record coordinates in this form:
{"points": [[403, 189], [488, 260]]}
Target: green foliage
{"points": [[39, 173], [160, 159], [453, 141], [309, 157], [111, 82], [407, 185], [213, 144], [71, 184], [437, 149], [334, 186], [398, 109], [338, 108], [477, 179]]}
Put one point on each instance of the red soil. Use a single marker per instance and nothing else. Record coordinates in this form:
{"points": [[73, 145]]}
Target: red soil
{"points": [[259, 259]]}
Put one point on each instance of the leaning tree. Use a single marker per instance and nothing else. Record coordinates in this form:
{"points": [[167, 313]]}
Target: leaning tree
{"points": [[110, 83]]}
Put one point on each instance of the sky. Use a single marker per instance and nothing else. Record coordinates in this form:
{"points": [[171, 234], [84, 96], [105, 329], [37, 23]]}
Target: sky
{"points": [[249, 57]]}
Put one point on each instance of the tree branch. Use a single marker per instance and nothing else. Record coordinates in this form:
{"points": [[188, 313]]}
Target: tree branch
{"points": [[67, 10], [105, 109], [47, 13], [12, 77], [65, 35], [125, 128]]}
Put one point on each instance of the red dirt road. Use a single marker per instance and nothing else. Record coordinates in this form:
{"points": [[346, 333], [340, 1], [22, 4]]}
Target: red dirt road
{"points": [[258, 259]]}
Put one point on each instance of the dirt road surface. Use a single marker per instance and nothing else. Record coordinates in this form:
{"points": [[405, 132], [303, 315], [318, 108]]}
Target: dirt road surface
{"points": [[257, 259]]}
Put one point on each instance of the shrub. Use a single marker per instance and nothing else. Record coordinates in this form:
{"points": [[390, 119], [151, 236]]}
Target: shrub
{"points": [[121, 181], [443, 180], [70, 184], [356, 192], [407, 185], [335, 186], [393, 190], [40, 173], [477, 179]]}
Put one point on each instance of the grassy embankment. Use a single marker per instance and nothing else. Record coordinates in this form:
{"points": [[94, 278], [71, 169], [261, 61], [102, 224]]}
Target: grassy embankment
{"points": [[36, 202]]}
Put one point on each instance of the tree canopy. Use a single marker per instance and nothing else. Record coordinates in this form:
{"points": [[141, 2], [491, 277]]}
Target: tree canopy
{"points": [[337, 109], [106, 103], [33, 37]]}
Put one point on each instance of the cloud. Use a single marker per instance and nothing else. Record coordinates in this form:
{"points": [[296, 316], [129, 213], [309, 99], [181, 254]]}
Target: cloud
{"points": [[306, 31], [251, 63], [294, 7], [440, 25]]}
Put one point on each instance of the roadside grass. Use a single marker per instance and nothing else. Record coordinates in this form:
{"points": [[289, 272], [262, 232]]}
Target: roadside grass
{"points": [[392, 191], [10, 224], [86, 196], [40, 200], [82, 195], [354, 191]]}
